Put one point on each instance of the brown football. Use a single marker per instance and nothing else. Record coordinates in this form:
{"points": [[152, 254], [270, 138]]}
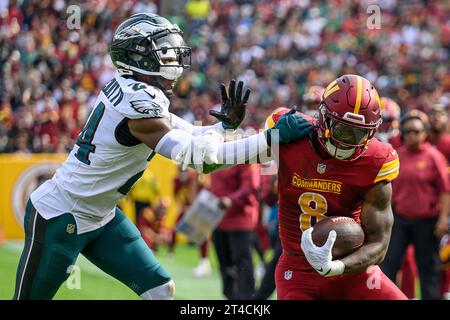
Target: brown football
{"points": [[349, 235]]}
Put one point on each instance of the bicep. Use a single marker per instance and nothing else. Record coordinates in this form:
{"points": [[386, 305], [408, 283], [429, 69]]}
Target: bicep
{"points": [[376, 215], [149, 130]]}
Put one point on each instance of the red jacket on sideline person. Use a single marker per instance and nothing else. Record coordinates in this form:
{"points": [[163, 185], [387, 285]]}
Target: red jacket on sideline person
{"points": [[240, 184], [424, 173]]}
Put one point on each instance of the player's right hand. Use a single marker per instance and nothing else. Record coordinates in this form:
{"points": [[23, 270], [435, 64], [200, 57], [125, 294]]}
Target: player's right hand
{"points": [[320, 258], [234, 104], [291, 127]]}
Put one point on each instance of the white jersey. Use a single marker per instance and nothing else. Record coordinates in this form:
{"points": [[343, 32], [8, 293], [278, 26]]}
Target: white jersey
{"points": [[103, 165]]}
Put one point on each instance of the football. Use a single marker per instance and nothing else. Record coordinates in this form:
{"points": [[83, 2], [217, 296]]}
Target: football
{"points": [[349, 235]]}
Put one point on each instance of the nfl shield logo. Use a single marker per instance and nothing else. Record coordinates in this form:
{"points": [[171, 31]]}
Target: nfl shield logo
{"points": [[288, 275], [321, 168], [70, 228]]}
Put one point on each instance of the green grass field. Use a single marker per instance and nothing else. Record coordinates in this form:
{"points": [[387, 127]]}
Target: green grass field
{"points": [[97, 285]]}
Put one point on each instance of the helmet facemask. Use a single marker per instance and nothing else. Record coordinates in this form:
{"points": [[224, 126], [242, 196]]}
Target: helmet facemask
{"points": [[344, 138], [171, 52]]}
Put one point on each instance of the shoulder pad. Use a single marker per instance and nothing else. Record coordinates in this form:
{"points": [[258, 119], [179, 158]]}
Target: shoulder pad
{"points": [[140, 100], [388, 162]]}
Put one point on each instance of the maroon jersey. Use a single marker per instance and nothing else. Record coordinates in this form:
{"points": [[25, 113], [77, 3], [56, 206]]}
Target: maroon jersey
{"points": [[311, 188]]}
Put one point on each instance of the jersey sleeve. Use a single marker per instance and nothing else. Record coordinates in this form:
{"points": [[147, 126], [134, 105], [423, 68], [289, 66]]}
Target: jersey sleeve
{"points": [[389, 168], [274, 117], [278, 113], [145, 102]]}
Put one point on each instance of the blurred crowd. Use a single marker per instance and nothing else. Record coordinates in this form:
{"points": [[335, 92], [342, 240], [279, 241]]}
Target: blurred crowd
{"points": [[52, 69], [53, 66]]}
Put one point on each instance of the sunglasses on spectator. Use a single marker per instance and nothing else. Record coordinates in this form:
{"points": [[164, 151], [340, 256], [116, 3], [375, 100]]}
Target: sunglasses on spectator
{"points": [[415, 131]]}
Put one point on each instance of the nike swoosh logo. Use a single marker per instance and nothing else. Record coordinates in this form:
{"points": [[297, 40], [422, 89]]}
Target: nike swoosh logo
{"points": [[321, 270], [151, 96]]}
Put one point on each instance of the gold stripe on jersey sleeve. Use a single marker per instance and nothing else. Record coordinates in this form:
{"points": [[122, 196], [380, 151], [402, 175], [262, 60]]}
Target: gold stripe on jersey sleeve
{"points": [[390, 176], [270, 123], [388, 171], [387, 166]]}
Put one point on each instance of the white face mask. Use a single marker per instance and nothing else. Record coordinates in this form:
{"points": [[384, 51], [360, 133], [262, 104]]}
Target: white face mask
{"points": [[339, 153], [166, 71]]}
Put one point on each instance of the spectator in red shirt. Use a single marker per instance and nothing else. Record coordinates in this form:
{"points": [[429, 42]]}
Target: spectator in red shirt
{"points": [[440, 138], [421, 198], [439, 135], [237, 188]]}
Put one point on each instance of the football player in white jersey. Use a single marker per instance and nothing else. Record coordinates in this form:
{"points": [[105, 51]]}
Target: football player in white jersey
{"points": [[75, 211]]}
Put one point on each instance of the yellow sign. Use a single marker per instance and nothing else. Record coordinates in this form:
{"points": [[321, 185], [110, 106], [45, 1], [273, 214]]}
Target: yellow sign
{"points": [[21, 174]]}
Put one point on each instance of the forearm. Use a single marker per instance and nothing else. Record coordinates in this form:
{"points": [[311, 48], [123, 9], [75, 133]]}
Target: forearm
{"points": [[242, 151], [191, 150], [369, 254], [444, 201], [376, 220], [197, 130], [250, 150]]}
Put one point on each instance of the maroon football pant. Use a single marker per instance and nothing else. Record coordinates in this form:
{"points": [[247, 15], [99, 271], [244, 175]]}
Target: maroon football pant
{"points": [[297, 280]]}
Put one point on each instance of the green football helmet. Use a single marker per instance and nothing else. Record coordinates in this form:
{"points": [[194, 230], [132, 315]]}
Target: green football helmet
{"points": [[149, 44]]}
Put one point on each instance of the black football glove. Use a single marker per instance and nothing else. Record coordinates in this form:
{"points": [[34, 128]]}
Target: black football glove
{"points": [[232, 112]]}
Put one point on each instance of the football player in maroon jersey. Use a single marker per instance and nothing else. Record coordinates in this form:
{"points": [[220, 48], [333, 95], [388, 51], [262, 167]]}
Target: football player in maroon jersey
{"points": [[340, 170]]}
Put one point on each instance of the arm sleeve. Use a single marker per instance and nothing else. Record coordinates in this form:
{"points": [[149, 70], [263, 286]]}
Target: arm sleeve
{"points": [[198, 151], [184, 125]]}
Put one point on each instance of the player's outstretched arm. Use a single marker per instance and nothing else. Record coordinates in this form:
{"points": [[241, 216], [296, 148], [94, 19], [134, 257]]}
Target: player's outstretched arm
{"points": [[376, 220], [208, 152]]}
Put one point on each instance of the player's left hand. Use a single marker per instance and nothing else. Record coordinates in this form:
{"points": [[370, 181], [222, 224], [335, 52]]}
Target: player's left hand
{"points": [[291, 127], [441, 227], [233, 108], [320, 258]]}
